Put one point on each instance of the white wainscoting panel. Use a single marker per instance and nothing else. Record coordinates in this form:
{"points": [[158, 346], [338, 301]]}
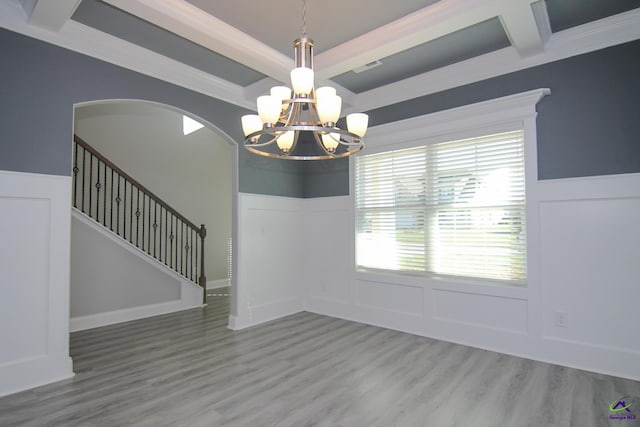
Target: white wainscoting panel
{"points": [[591, 274], [391, 297], [328, 252], [24, 265], [270, 259], [585, 262], [477, 310], [35, 213]]}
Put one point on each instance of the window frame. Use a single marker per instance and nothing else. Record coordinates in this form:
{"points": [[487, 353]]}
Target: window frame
{"points": [[514, 112]]}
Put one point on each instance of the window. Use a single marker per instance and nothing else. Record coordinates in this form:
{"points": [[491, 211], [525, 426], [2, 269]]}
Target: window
{"points": [[189, 125], [452, 208]]}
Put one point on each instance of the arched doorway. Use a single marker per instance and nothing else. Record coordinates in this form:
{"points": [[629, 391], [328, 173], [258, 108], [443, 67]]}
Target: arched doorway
{"points": [[194, 171]]}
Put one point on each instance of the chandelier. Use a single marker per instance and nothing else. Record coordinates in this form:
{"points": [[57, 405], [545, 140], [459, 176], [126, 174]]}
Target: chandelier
{"points": [[300, 124]]}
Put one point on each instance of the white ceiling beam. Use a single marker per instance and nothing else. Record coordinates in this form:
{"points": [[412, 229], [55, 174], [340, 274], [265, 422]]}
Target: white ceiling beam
{"points": [[192, 23], [428, 23], [611, 31], [527, 31], [49, 14]]}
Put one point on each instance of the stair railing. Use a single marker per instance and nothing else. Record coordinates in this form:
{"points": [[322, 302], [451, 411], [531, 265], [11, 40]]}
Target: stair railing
{"points": [[114, 199]]}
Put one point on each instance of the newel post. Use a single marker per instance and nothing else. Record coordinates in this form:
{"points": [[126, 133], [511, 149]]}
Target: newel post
{"points": [[202, 280]]}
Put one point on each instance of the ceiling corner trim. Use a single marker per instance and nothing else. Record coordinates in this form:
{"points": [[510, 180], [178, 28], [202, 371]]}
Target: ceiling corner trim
{"points": [[49, 14], [522, 26]]}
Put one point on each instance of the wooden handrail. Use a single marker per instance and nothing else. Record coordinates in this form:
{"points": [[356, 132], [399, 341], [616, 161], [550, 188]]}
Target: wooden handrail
{"points": [[132, 180]]}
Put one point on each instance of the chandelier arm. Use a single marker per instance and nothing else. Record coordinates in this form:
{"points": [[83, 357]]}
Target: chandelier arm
{"points": [[316, 136], [314, 117], [275, 134], [290, 113]]}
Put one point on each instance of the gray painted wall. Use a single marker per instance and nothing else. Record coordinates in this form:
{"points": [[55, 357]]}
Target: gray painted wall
{"points": [[589, 125], [42, 82]]}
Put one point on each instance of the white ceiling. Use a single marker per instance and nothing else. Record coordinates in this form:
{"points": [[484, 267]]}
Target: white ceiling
{"points": [[236, 49]]}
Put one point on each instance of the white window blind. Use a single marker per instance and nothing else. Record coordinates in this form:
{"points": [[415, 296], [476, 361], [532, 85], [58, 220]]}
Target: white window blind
{"points": [[453, 208]]}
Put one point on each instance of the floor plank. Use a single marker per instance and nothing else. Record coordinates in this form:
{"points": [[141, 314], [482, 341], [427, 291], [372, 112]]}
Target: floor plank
{"points": [[188, 369]]}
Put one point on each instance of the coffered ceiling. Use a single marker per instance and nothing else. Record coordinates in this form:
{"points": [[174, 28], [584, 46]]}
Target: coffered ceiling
{"points": [[376, 52]]}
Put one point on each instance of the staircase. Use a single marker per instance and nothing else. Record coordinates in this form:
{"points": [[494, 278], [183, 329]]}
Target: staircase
{"points": [[112, 198]]}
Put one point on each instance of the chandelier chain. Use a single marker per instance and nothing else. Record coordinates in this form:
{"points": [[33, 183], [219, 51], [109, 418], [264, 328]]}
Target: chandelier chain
{"points": [[304, 17]]}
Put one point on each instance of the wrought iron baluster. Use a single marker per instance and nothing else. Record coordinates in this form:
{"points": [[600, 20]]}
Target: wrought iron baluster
{"points": [[84, 169], [185, 252], [138, 217], [131, 214], [104, 191], [155, 228], [104, 196], [195, 245], [90, 181], [166, 229], [171, 244], [98, 185], [118, 200], [75, 175], [202, 280], [144, 199], [149, 228], [111, 203], [175, 263]]}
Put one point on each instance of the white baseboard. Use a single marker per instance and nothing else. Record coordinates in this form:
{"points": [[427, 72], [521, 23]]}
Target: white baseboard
{"points": [[81, 323], [33, 372], [220, 283], [234, 323], [266, 312]]}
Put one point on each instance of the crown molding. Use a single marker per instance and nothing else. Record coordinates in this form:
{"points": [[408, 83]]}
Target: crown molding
{"points": [[88, 41], [597, 35]]}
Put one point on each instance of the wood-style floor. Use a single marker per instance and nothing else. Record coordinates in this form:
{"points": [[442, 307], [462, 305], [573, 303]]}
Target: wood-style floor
{"points": [[188, 369]]}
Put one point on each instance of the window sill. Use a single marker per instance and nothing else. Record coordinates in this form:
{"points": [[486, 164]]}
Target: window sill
{"points": [[451, 283]]}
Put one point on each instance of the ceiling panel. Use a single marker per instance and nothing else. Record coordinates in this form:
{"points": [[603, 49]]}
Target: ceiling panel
{"points": [[434, 33], [565, 14], [120, 24], [330, 23], [478, 39]]}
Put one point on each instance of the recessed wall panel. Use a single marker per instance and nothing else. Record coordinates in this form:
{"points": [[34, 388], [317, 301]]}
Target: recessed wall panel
{"points": [[484, 311], [392, 297], [24, 277]]}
